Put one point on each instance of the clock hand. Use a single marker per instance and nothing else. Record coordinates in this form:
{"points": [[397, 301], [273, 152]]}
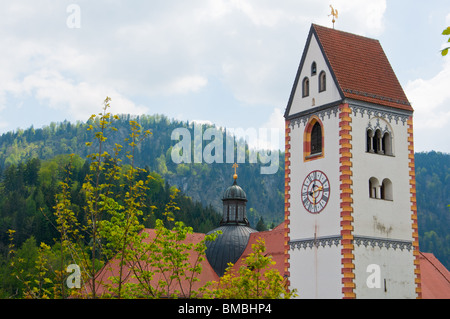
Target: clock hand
{"points": [[311, 193]]}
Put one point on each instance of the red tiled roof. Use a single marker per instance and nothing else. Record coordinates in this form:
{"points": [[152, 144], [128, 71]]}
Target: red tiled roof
{"points": [[435, 278], [361, 68], [112, 269], [274, 240], [274, 246]]}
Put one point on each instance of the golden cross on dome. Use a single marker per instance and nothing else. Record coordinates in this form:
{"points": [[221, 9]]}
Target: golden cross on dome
{"points": [[334, 13], [235, 166]]}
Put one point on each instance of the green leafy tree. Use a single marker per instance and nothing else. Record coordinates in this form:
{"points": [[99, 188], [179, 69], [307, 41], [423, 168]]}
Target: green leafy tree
{"points": [[261, 225], [121, 230], [163, 266], [30, 267], [99, 212], [444, 51], [255, 279], [114, 226]]}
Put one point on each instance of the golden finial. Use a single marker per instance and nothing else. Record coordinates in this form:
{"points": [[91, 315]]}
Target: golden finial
{"points": [[235, 166], [334, 13]]}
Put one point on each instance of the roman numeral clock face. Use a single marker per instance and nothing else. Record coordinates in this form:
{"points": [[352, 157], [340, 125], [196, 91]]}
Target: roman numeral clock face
{"points": [[315, 192]]}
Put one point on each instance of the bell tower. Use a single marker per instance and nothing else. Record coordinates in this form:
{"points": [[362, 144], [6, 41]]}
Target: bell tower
{"points": [[350, 204]]}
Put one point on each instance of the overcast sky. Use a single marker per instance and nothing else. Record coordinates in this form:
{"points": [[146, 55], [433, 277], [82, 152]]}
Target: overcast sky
{"points": [[229, 62]]}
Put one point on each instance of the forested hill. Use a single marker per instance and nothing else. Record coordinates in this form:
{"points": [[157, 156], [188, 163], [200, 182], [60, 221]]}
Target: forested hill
{"points": [[206, 183], [433, 203], [203, 182]]}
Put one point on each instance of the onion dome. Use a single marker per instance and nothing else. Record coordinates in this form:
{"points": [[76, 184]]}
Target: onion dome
{"points": [[234, 192], [234, 227], [228, 246]]}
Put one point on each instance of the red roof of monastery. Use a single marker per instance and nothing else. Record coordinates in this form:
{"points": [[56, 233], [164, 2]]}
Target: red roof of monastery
{"points": [[274, 247], [361, 68], [274, 240], [207, 273], [435, 278]]}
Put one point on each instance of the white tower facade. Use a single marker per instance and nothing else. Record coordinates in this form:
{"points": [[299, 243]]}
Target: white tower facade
{"points": [[350, 207]]}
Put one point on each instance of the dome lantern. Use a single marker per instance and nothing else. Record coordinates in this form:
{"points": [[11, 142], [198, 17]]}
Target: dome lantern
{"points": [[234, 229], [234, 204]]}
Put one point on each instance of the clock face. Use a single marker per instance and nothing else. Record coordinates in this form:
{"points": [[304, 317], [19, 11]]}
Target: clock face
{"points": [[315, 192]]}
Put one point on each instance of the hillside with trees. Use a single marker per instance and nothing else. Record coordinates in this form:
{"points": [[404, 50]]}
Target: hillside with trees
{"points": [[203, 182], [35, 155], [433, 204], [91, 213]]}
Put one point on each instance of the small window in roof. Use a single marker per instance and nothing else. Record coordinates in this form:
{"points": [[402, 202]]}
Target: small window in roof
{"points": [[313, 68], [305, 87], [322, 81]]}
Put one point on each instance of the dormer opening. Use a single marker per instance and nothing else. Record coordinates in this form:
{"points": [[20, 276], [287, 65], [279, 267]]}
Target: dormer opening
{"points": [[313, 68], [322, 81], [305, 87]]}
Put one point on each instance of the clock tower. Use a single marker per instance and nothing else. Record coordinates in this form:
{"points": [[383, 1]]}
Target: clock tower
{"points": [[350, 204]]}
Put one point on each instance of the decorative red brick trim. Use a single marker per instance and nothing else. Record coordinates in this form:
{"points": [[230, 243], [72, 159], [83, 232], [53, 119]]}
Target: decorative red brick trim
{"points": [[346, 202], [287, 204], [415, 231]]}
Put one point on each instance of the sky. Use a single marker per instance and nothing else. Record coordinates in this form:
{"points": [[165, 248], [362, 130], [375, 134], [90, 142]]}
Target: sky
{"points": [[228, 62]]}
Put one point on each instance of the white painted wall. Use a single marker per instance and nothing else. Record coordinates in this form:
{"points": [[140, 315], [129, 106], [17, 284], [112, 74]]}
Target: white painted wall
{"points": [[331, 94], [382, 218], [327, 222], [396, 273], [316, 272], [376, 217]]}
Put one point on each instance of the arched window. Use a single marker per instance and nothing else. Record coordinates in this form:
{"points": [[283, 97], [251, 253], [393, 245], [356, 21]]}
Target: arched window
{"points": [[380, 191], [386, 189], [305, 87], [379, 137], [369, 141], [313, 140], [313, 68], [377, 142], [386, 143], [322, 81], [316, 139], [374, 186]]}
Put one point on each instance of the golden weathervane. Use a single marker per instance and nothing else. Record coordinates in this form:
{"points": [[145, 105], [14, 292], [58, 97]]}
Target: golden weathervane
{"points": [[334, 13]]}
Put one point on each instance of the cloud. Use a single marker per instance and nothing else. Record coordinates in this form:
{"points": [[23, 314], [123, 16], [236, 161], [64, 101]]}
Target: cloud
{"points": [[274, 137], [163, 49], [184, 84], [262, 44], [361, 17], [79, 99], [430, 99]]}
